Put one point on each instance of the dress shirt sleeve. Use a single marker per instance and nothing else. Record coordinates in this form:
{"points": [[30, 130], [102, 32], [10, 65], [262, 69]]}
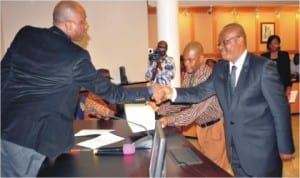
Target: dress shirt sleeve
{"points": [[174, 94], [169, 108], [197, 112]]}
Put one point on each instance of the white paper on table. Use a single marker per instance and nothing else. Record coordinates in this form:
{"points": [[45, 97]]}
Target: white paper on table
{"points": [[102, 140], [87, 132], [293, 96], [140, 114]]}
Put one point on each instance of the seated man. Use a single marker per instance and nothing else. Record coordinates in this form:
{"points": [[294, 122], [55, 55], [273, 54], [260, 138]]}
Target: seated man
{"points": [[91, 105]]}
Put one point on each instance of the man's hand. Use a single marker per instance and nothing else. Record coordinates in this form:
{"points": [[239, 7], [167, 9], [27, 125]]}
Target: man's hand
{"points": [[163, 121], [158, 93], [105, 115], [159, 65], [286, 157], [161, 93], [168, 92]]}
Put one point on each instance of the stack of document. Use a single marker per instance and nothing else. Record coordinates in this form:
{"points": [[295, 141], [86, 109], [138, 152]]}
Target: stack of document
{"points": [[105, 138], [140, 114]]}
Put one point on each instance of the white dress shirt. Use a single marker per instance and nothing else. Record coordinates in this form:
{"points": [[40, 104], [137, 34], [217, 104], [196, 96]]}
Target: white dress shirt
{"points": [[238, 64]]}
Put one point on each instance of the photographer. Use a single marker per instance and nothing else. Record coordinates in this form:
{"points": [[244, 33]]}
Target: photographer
{"points": [[161, 67]]}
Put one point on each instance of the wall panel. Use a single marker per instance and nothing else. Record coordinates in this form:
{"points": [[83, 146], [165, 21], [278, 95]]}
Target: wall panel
{"points": [[118, 34]]}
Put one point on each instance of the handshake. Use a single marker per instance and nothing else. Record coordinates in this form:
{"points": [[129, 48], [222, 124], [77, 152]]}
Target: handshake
{"points": [[161, 93]]}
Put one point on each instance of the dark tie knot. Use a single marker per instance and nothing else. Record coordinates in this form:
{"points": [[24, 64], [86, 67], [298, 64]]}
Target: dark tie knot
{"points": [[233, 68]]}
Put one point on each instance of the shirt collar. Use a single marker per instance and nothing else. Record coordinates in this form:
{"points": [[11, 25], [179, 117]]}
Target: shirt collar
{"points": [[240, 61], [59, 32]]}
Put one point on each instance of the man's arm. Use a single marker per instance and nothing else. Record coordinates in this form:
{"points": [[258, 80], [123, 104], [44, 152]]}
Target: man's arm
{"points": [[85, 75], [185, 95], [196, 111], [274, 94]]}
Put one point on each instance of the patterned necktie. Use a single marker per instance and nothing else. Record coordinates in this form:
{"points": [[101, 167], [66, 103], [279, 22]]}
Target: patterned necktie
{"points": [[232, 79]]}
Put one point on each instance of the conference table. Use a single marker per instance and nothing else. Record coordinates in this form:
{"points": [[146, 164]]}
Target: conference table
{"points": [[87, 164]]}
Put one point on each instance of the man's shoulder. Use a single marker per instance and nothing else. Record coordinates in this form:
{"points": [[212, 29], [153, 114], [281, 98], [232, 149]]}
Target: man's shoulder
{"points": [[28, 30], [257, 58], [221, 64], [203, 70], [33, 29], [265, 54], [54, 38]]}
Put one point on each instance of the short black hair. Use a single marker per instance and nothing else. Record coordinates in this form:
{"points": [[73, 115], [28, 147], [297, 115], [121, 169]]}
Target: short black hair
{"points": [[270, 39]]}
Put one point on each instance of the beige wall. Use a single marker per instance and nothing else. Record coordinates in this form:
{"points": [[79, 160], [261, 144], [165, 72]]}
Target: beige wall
{"points": [[196, 24], [118, 34], [121, 31]]}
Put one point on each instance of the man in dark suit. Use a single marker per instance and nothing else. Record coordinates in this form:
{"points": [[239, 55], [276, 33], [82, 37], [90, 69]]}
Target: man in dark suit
{"points": [[256, 111], [42, 73]]}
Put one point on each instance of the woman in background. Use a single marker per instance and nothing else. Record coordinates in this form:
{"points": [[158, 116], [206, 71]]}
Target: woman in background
{"points": [[282, 60]]}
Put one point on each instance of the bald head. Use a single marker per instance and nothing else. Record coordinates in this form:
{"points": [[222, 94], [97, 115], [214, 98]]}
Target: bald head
{"points": [[195, 46], [70, 17], [237, 29], [64, 10]]}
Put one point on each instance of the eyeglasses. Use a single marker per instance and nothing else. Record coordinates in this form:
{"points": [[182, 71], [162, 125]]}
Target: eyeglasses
{"points": [[226, 42]]}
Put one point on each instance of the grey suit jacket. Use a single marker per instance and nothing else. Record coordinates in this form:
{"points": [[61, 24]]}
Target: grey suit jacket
{"points": [[41, 75], [257, 119]]}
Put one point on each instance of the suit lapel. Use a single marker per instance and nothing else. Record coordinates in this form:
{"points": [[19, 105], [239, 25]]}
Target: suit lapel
{"points": [[227, 84], [241, 83]]}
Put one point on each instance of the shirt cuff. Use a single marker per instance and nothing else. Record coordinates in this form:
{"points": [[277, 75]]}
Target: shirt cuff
{"points": [[150, 92], [174, 94]]}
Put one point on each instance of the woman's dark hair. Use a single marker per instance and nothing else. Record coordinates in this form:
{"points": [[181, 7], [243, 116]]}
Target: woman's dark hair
{"points": [[270, 39]]}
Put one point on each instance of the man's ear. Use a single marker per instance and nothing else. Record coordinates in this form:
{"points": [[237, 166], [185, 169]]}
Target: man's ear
{"points": [[68, 28]]}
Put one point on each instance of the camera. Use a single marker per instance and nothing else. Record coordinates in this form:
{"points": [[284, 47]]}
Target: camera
{"points": [[154, 55]]}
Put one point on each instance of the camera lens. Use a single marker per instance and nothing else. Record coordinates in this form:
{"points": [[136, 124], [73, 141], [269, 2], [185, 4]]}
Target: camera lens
{"points": [[150, 50]]}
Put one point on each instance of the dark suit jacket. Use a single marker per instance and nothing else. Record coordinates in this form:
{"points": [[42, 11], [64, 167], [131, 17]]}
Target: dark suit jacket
{"points": [[283, 67], [257, 120], [42, 73]]}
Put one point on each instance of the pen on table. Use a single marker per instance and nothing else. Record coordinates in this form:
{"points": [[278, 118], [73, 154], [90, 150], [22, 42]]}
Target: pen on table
{"points": [[77, 150], [90, 135]]}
